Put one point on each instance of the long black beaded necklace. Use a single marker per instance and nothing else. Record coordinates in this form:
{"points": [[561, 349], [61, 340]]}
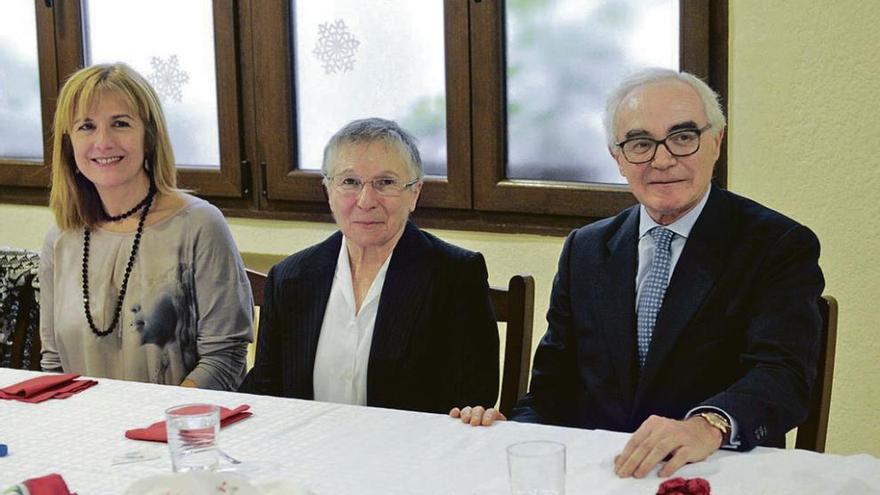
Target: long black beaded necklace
{"points": [[145, 204]]}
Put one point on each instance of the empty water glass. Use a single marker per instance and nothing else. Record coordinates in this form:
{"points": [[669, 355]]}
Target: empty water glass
{"points": [[192, 436], [536, 468]]}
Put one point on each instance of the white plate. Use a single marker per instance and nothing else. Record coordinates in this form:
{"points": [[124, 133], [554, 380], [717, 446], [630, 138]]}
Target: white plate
{"points": [[209, 483]]}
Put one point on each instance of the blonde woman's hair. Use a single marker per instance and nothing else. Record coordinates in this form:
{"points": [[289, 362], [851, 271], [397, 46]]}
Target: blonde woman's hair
{"points": [[74, 199]]}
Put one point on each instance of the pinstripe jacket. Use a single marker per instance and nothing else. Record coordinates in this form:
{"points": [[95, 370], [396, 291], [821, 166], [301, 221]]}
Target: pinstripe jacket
{"points": [[435, 342]]}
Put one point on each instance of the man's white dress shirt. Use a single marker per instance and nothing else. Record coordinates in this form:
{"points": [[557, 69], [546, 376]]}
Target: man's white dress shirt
{"points": [[682, 228]]}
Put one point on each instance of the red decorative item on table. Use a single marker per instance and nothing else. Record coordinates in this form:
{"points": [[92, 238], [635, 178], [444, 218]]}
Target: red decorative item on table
{"points": [[156, 431], [682, 486], [51, 484], [45, 387]]}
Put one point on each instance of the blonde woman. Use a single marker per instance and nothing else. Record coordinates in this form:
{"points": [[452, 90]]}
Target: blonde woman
{"points": [[139, 280]]}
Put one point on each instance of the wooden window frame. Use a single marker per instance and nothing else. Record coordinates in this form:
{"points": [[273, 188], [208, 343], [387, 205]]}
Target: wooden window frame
{"points": [[64, 20], [31, 173], [493, 190], [256, 104], [275, 102]]}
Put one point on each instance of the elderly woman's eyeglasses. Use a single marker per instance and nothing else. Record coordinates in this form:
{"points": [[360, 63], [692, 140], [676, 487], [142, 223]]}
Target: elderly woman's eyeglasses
{"points": [[682, 143], [384, 186]]}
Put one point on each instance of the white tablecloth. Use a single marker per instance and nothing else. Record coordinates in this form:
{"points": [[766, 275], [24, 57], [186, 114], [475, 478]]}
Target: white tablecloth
{"points": [[336, 449]]}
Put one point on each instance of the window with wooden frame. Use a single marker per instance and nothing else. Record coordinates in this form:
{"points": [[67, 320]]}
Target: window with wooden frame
{"points": [[28, 78], [187, 50], [505, 97]]}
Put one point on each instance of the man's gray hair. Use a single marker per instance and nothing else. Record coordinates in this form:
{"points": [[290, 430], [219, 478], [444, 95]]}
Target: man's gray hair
{"points": [[711, 100], [375, 130]]}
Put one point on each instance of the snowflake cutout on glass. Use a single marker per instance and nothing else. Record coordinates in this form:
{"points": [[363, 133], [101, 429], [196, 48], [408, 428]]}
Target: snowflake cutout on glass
{"points": [[167, 78], [336, 47]]}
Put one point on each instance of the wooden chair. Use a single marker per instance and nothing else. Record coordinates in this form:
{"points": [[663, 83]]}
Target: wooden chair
{"points": [[515, 305], [258, 285], [811, 434]]}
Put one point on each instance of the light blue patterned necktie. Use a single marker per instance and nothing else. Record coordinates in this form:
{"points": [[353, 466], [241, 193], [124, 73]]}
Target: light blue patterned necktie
{"points": [[652, 294]]}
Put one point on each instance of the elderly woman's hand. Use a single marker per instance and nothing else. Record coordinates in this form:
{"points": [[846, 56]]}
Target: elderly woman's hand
{"points": [[477, 415]]}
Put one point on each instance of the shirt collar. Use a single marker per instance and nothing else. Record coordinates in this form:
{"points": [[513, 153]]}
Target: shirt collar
{"points": [[682, 226]]}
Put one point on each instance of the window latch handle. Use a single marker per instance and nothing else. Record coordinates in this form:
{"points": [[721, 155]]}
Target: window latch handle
{"points": [[263, 179]]}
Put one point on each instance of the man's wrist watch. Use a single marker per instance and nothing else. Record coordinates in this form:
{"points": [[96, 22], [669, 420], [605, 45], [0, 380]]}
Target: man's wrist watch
{"points": [[718, 421]]}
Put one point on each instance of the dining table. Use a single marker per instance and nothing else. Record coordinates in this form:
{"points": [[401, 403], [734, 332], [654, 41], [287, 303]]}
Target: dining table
{"points": [[344, 449]]}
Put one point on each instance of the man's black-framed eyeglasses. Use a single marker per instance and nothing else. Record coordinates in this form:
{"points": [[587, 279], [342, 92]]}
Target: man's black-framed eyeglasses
{"points": [[639, 150]]}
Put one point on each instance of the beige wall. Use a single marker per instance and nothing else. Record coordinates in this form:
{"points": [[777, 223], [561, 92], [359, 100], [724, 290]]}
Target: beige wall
{"points": [[804, 119], [803, 126]]}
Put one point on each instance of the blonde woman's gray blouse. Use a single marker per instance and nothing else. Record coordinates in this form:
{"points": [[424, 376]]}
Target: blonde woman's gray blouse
{"points": [[187, 311]]}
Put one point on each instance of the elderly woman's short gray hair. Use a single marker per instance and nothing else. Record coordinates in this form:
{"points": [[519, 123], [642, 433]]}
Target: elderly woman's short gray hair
{"points": [[711, 100], [375, 130]]}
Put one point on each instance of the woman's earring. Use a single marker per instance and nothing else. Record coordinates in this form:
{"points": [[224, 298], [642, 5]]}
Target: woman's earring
{"points": [[146, 165]]}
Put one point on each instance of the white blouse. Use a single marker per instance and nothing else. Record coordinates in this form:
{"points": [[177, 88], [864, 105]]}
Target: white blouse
{"points": [[343, 355]]}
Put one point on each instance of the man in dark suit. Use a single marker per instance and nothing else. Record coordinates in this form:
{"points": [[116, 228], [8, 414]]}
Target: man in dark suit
{"points": [[690, 319], [381, 313]]}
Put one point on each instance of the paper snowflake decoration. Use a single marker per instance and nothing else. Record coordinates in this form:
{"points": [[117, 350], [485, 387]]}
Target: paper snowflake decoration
{"points": [[336, 47], [167, 78]]}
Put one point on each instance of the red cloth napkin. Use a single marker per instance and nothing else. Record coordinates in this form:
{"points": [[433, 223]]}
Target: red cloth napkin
{"points": [[156, 432], [45, 387], [51, 484]]}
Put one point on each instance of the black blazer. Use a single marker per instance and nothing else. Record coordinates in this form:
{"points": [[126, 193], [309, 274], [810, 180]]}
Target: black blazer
{"points": [[435, 341], [738, 329]]}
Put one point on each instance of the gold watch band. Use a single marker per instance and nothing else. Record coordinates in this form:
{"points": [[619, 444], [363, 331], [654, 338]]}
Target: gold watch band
{"points": [[717, 421]]}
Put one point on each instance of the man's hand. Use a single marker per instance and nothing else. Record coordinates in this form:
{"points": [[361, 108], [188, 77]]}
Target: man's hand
{"points": [[188, 383], [477, 416], [659, 438]]}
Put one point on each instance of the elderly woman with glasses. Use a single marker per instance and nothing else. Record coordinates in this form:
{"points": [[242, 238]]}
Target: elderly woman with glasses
{"points": [[381, 313]]}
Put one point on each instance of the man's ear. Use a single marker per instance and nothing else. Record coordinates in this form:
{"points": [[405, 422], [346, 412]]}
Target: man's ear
{"points": [[615, 154], [716, 142], [326, 189]]}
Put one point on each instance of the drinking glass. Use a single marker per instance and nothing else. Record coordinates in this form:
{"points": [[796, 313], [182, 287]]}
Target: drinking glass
{"points": [[192, 436], [536, 468]]}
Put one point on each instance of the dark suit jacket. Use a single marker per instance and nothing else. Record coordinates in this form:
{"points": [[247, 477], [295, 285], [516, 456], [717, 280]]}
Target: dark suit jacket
{"points": [[738, 328], [435, 341]]}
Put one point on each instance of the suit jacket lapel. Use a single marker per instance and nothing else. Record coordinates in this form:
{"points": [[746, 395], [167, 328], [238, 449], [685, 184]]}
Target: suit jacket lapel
{"points": [[401, 302], [699, 266], [615, 286], [310, 296]]}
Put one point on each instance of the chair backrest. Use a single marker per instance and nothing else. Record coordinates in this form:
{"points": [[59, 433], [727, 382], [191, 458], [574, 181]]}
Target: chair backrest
{"points": [[26, 343], [258, 285], [515, 305], [19, 308], [811, 434]]}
